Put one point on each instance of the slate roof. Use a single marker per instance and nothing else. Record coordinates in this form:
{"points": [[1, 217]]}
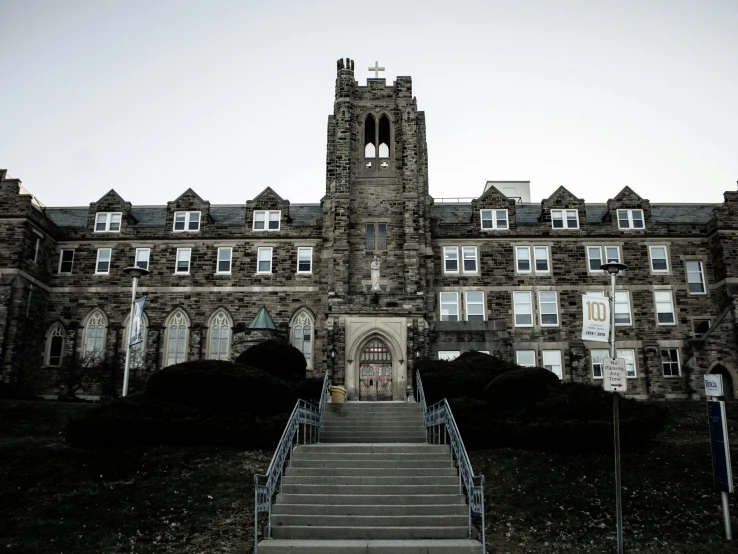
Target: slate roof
{"points": [[449, 214], [68, 217], [682, 213], [305, 214], [228, 215], [150, 216]]}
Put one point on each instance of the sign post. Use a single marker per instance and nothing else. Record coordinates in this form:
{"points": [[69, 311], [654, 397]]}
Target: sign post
{"points": [[719, 446]]}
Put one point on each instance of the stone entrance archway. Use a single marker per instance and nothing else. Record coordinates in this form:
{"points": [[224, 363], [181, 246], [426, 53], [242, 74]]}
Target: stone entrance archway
{"points": [[728, 389], [375, 371]]}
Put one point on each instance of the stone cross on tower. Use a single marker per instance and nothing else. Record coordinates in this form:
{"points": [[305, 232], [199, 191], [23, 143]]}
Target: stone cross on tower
{"points": [[376, 69]]}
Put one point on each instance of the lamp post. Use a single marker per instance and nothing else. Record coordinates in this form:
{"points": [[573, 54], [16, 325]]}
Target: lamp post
{"points": [[135, 273], [332, 356], [613, 268]]}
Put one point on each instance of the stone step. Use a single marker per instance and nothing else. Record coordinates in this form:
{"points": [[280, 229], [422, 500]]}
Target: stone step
{"points": [[439, 546], [413, 520], [358, 439], [366, 463], [361, 480], [457, 509], [388, 407], [384, 533], [325, 498], [379, 470], [384, 456], [375, 435], [336, 489], [403, 420], [363, 449]]}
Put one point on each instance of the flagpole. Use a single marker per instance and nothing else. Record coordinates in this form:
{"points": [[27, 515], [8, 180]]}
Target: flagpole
{"points": [[134, 272]]}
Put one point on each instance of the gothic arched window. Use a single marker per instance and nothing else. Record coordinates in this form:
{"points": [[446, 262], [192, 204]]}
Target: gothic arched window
{"points": [[220, 336], [177, 330], [384, 137], [302, 336], [370, 132], [94, 341], [138, 350], [54, 346]]}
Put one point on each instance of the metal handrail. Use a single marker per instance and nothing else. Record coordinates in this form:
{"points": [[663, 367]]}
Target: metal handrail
{"points": [[435, 416], [304, 414]]}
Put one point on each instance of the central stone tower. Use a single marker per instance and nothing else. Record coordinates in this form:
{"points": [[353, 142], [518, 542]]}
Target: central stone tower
{"points": [[376, 206]]}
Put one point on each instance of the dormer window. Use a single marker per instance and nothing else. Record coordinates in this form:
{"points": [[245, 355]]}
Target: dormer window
{"points": [[377, 140], [493, 219], [267, 220], [564, 219], [630, 219], [186, 221], [108, 222]]}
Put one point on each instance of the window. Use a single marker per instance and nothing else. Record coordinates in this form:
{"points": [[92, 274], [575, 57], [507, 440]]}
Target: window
{"points": [[449, 306], [540, 259], [470, 258], [474, 306], [66, 261], [95, 335], [186, 221], [525, 358], [670, 362], [138, 350], [377, 134], [108, 222], [700, 327], [628, 354], [225, 256], [659, 259], [664, 307], [264, 260], [304, 260], [265, 220], [177, 331], [494, 220], [622, 307], [448, 355], [220, 336], [549, 308], [103, 260], [54, 346], [595, 259], [35, 249], [302, 336], [598, 362], [450, 259], [523, 308], [376, 236], [552, 362], [565, 219], [630, 219], [695, 277], [183, 260], [142, 258]]}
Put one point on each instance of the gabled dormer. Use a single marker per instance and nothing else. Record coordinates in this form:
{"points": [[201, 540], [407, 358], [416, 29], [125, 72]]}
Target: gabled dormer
{"points": [[493, 211], [562, 211], [268, 212], [110, 214], [628, 211], [188, 213]]}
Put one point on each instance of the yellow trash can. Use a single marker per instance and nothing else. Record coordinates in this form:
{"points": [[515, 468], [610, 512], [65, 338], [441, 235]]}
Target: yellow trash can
{"points": [[338, 394]]}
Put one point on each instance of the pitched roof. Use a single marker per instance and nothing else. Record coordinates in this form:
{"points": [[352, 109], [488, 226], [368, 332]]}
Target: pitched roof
{"points": [[262, 320]]}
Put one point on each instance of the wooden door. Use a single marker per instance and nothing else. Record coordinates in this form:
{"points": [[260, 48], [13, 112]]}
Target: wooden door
{"points": [[375, 372]]}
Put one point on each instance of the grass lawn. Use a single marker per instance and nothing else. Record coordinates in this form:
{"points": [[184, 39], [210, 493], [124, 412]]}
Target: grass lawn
{"points": [[200, 500]]}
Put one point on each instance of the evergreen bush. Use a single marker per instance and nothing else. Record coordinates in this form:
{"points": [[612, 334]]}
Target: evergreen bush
{"points": [[279, 358], [522, 387]]}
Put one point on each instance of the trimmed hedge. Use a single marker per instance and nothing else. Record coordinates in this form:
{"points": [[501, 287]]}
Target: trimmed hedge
{"points": [[279, 358], [519, 388]]}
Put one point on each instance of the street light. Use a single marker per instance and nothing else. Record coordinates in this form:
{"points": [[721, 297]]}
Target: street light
{"points": [[613, 268], [136, 273]]}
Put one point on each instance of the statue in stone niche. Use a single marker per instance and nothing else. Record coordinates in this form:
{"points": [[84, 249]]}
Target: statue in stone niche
{"points": [[375, 265]]}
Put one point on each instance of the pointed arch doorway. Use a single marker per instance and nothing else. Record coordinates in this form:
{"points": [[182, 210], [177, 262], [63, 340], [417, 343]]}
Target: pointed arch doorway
{"points": [[375, 371], [728, 389]]}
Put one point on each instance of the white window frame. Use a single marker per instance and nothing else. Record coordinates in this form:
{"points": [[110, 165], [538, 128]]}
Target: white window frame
{"points": [[563, 216], [259, 251], [631, 220], [463, 258], [603, 255], [187, 220], [448, 302], [108, 222], [597, 360], [148, 257], [266, 217], [700, 272], [179, 318], [555, 303], [454, 250], [100, 320], [109, 260], [221, 258], [532, 253], [303, 249], [628, 354], [521, 354], [221, 321], [474, 303], [622, 299], [552, 360], [652, 258], [519, 300], [657, 302], [448, 355], [670, 361], [493, 219], [302, 320], [181, 251], [61, 260]]}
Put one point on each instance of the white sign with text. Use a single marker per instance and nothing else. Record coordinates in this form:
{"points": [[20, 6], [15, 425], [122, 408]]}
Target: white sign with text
{"points": [[614, 375], [714, 385], [595, 318]]}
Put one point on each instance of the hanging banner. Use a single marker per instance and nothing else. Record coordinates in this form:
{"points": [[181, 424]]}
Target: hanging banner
{"points": [[137, 326], [595, 318]]}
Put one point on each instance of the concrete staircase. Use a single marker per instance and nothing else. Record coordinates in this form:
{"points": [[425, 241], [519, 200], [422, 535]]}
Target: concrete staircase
{"points": [[371, 485]]}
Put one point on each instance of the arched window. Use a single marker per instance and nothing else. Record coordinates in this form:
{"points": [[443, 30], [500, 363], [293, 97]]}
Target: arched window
{"points": [[370, 132], [302, 336], [54, 346], [177, 331], [220, 336], [138, 350], [384, 137], [94, 342]]}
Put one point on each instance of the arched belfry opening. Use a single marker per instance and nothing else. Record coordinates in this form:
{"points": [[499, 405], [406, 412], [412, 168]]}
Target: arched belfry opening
{"points": [[377, 143], [370, 136], [375, 371], [384, 137]]}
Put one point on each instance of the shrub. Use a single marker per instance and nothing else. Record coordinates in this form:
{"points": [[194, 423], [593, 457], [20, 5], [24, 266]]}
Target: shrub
{"points": [[309, 389], [520, 388], [276, 357], [216, 386]]}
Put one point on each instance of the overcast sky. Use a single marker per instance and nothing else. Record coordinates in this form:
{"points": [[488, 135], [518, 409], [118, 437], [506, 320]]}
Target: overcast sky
{"points": [[152, 97]]}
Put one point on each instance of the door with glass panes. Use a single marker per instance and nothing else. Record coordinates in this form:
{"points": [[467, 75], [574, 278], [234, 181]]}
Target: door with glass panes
{"points": [[375, 372]]}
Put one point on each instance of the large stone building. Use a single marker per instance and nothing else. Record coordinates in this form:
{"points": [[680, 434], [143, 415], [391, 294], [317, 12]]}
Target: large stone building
{"points": [[496, 273]]}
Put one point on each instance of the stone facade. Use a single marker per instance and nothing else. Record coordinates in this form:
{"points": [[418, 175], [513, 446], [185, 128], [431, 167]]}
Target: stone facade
{"points": [[450, 271]]}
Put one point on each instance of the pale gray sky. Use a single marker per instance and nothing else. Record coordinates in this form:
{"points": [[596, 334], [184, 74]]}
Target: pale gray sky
{"points": [[152, 97]]}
